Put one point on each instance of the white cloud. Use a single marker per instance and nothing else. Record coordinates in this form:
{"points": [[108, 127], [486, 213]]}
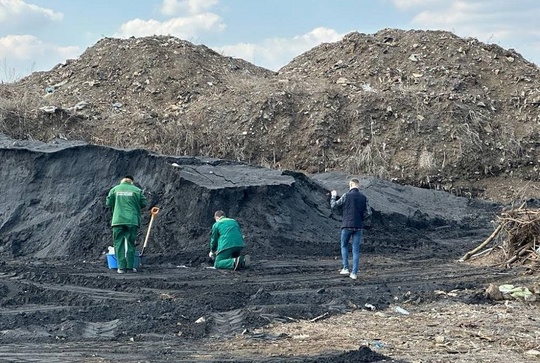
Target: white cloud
{"points": [[184, 28], [510, 24], [457, 13], [471, 14], [21, 54], [28, 47], [15, 15], [407, 4], [274, 53], [177, 7]]}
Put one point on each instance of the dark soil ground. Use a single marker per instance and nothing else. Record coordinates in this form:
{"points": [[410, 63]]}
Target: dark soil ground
{"points": [[84, 312], [59, 301]]}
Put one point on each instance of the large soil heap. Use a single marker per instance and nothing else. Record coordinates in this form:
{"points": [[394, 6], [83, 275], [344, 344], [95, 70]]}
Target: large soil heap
{"points": [[53, 204], [421, 107]]}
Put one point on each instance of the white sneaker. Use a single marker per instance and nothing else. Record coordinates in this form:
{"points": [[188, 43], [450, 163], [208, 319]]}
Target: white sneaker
{"points": [[344, 271], [353, 276]]}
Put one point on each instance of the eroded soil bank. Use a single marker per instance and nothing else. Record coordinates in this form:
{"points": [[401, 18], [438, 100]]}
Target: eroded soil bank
{"points": [[53, 205]]}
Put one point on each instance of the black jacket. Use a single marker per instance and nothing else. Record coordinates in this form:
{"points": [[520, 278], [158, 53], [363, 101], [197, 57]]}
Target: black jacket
{"points": [[356, 209]]}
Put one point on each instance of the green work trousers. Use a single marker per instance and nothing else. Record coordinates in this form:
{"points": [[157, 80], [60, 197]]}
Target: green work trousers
{"points": [[124, 238], [225, 258]]}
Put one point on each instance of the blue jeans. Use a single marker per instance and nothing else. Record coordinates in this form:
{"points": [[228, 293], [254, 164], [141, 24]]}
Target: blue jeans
{"points": [[346, 234]]}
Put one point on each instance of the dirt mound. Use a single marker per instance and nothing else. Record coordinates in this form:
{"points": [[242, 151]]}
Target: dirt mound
{"points": [[362, 355], [54, 205], [56, 290], [428, 107], [421, 107]]}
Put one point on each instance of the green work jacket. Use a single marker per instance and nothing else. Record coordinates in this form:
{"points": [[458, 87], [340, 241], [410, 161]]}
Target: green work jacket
{"points": [[126, 201], [225, 234]]}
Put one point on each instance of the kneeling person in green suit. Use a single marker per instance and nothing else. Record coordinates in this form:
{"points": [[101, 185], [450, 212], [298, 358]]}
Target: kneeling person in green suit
{"points": [[227, 243]]}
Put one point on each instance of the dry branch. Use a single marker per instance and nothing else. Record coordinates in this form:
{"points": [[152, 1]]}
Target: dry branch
{"points": [[517, 233], [483, 244]]}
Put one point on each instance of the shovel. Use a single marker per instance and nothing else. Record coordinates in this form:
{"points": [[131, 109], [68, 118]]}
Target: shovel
{"points": [[153, 212]]}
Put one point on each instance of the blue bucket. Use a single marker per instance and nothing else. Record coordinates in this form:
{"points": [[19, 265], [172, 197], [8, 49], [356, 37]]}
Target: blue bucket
{"points": [[111, 260]]}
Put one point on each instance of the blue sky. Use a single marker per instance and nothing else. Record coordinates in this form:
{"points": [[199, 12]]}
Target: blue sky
{"points": [[35, 35]]}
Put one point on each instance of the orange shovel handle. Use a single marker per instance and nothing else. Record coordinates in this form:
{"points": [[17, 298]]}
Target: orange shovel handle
{"points": [[153, 212]]}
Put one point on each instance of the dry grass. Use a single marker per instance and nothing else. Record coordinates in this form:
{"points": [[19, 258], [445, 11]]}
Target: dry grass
{"points": [[470, 144], [442, 331], [426, 162], [21, 118], [371, 159]]}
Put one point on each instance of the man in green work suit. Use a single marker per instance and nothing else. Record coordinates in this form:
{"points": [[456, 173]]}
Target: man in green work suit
{"points": [[227, 243], [126, 202]]}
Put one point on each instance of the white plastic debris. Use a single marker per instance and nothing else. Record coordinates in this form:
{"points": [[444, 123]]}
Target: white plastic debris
{"points": [[516, 291], [48, 109], [79, 106], [367, 88], [400, 310], [370, 307], [414, 57]]}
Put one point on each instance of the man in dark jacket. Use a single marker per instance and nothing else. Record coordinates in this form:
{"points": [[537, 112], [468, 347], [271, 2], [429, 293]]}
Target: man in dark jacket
{"points": [[126, 202], [227, 243], [356, 216]]}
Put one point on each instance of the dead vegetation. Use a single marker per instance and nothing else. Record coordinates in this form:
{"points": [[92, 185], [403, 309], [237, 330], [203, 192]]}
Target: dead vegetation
{"points": [[443, 331], [515, 239]]}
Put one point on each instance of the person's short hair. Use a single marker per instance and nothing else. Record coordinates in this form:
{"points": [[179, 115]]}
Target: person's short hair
{"points": [[126, 180], [355, 181], [219, 214], [129, 177]]}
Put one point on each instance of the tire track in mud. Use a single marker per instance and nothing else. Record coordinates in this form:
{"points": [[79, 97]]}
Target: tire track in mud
{"points": [[282, 278], [100, 329], [28, 309], [96, 294], [228, 323], [103, 352]]}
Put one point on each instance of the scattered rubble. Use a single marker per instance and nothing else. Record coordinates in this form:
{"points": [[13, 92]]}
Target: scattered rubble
{"points": [[426, 108]]}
